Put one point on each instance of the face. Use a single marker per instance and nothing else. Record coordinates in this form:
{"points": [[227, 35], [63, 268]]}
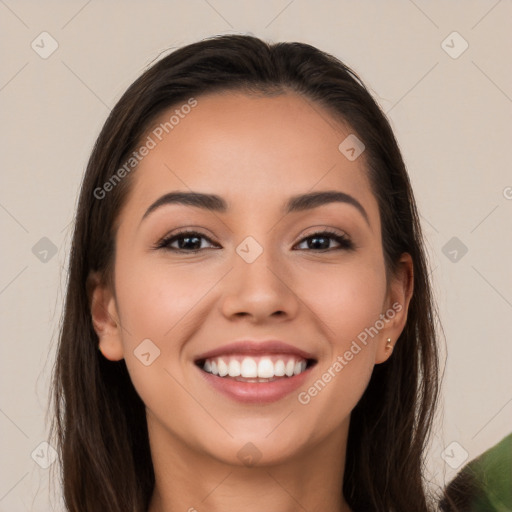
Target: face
{"points": [[254, 266]]}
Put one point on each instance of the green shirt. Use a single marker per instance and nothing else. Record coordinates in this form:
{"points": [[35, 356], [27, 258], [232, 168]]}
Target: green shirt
{"points": [[485, 483]]}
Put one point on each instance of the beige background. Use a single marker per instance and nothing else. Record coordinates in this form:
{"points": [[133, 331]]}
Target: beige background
{"points": [[452, 117]]}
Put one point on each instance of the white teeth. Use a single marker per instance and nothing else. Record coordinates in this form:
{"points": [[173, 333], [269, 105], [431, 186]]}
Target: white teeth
{"points": [[259, 367], [290, 366], [223, 368], [234, 368], [279, 369], [300, 366], [249, 368], [265, 368]]}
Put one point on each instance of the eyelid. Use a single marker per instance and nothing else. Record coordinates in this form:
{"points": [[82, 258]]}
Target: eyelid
{"points": [[322, 228], [189, 229], [343, 239], [164, 242]]}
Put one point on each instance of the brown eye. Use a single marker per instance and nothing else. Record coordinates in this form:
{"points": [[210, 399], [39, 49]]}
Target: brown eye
{"points": [[185, 241], [321, 241]]}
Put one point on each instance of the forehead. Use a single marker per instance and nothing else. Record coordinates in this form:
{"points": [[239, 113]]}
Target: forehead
{"points": [[249, 149]]}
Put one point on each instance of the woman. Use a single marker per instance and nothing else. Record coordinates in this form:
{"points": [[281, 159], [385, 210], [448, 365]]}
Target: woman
{"points": [[248, 259]]}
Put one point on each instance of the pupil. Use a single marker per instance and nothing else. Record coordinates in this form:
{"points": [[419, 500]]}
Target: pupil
{"points": [[315, 239], [183, 244]]}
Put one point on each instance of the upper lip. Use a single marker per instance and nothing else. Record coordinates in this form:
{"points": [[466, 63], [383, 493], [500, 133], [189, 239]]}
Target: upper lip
{"points": [[252, 347]]}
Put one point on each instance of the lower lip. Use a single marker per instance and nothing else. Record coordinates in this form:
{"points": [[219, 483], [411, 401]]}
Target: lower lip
{"points": [[256, 392]]}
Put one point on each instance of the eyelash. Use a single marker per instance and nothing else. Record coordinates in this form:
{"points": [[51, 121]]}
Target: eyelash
{"points": [[343, 240]]}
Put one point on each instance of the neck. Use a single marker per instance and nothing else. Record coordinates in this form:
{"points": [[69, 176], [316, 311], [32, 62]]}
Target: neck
{"points": [[189, 479]]}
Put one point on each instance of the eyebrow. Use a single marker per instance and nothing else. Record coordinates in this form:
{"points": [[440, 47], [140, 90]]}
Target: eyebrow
{"points": [[296, 203]]}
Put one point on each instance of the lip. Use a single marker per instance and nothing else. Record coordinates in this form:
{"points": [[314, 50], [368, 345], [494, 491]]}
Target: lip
{"points": [[256, 392], [254, 348]]}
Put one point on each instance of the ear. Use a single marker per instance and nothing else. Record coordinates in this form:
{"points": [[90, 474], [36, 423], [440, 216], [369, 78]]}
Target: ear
{"points": [[396, 305], [105, 319]]}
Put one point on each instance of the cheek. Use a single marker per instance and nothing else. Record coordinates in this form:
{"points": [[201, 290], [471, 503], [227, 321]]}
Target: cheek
{"points": [[159, 302], [348, 299], [348, 303], [153, 309], [155, 297]]}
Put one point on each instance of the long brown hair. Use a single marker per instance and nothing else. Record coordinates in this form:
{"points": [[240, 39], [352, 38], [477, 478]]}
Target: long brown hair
{"points": [[99, 422]]}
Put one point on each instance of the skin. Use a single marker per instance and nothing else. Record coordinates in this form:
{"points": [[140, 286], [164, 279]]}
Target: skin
{"points": [[255, 152]]}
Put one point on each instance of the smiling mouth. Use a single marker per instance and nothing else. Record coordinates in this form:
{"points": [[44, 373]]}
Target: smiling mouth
{"points": [[265, 368]]}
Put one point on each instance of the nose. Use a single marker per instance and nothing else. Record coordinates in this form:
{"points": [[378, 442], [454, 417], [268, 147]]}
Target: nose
{"points": [[259, 291]]}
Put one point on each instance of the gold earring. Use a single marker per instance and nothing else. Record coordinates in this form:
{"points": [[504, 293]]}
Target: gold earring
{"points": [[388, 344]]}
